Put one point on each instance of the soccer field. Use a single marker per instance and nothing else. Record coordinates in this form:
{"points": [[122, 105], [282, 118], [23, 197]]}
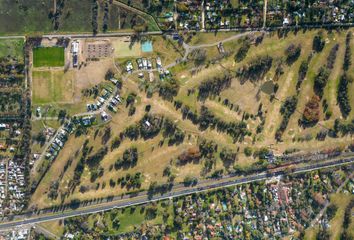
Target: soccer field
{"points": [[48, 57]]}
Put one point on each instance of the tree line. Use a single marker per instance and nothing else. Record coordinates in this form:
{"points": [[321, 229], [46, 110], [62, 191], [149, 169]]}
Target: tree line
{"points": [[255, 69]]}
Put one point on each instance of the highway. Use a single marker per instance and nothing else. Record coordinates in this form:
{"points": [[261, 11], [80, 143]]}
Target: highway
{"points": [[176, 191]]}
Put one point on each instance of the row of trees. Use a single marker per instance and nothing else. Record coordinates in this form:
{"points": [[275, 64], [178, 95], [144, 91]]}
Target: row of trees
{"points": [[237, 130], [342, 95], [94, 16], [342, 91], [168, 88], [243, 50], [212, 87], [304, 66], [348, 53], [321, 80], [292, 53], [129, 181], [255, 69], [332, 56], [287, 109]]}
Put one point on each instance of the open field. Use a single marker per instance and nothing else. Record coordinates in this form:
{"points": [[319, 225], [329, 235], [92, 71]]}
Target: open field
{"points": [[53, 87], [48, 57]]}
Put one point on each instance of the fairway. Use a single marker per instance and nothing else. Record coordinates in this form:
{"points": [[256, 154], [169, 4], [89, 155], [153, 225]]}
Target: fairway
{"points": [[52, 87], [48, 57]]}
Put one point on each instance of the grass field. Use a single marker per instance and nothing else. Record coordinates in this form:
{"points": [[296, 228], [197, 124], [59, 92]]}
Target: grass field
{"points": [[53, 87], [48, 57], [12, 47]]}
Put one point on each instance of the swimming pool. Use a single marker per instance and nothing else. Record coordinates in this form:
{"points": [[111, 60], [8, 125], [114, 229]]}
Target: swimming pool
{"points": [[146, 46]]}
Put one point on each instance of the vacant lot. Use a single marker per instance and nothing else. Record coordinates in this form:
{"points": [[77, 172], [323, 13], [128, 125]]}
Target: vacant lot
{"points": [[53, 87], [48, 57]]}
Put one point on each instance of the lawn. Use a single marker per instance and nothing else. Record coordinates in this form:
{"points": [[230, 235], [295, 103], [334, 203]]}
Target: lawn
{"points": [[12, 47], [48, 57], [207, 38], [53, 87]]}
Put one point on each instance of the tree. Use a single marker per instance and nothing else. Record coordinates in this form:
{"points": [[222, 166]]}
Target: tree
{"points": [[168, 88], [199, 56], [292, 53], [189, 180], [255, 69], [321, 80], [318, 43], [287, 109], [248, 151], [109, 74], [243, 50], [311, 113]]}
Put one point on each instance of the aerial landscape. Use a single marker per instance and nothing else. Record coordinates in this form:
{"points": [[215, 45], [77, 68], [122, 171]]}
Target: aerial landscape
{"points": [[184, 119]]}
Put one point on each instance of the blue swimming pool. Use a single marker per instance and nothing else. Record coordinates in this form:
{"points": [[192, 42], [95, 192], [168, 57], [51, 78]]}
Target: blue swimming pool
{"points": [[146, 46]]}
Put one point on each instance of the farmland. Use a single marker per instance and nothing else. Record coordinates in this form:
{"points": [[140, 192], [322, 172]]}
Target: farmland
{"points": [[48, 57], [33, 17]]}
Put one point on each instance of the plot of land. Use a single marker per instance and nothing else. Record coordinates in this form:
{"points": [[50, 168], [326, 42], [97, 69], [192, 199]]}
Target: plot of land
{"points": [[48, 57], [123, 48], [11, 47], [53, 87]]}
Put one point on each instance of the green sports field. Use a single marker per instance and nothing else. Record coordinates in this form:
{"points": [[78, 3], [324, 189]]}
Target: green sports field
{"points": [[48, 57]]}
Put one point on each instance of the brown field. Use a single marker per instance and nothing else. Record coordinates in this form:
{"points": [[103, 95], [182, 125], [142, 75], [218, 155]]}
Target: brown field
{"points": [[53, 86]]}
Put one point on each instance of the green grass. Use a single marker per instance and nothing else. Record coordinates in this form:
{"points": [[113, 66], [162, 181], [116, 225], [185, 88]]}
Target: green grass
{"points": [[11, 47], [48, 57]]}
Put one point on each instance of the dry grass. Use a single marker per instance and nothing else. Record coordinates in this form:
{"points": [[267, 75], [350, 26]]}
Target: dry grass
{"points": [[53, 87]]}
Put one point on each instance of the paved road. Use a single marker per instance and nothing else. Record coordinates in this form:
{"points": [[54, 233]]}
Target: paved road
{"points": [[142, 197]]}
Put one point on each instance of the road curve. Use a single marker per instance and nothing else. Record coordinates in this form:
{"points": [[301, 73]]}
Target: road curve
{"points": [[177, 191]]}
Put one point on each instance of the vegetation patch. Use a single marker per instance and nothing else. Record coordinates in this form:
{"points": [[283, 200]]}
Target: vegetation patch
{"points": [[48, 57]]}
